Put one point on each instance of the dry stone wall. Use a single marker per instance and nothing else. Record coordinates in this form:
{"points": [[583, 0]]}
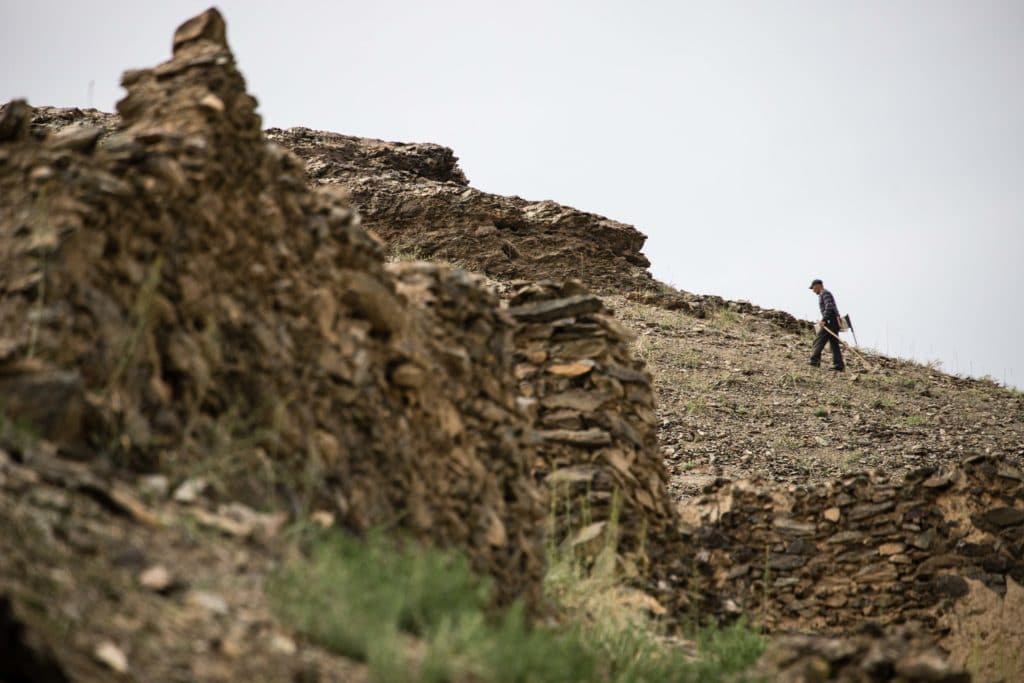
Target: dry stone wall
{"points": [[594, 408], [863, 658], [174, 294], [861, 550]]}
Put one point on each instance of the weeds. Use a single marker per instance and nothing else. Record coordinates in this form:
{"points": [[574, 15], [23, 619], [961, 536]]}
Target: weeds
{"points": [[142, 309], [415, 614], [697, 405], [399, 255], [725, 318]]}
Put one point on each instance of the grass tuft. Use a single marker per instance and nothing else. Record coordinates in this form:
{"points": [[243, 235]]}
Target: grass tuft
{"points": [[420, 615]]}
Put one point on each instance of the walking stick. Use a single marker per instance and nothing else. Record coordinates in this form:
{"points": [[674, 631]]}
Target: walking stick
{"points": [[863, 359]]}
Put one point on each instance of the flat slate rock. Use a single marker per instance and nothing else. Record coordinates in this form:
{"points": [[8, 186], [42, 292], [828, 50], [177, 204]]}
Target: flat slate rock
{"points": [[554, 309]]}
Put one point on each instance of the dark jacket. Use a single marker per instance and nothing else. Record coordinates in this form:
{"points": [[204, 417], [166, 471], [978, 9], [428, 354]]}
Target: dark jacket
{"points": [[828, 308]]}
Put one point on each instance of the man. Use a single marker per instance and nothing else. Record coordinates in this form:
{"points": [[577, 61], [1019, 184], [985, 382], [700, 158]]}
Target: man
{"points": [[829, 322]]}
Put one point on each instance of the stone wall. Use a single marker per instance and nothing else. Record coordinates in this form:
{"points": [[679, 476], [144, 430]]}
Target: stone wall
{"points": [[862, 549], [594, 410], [174, 296]]}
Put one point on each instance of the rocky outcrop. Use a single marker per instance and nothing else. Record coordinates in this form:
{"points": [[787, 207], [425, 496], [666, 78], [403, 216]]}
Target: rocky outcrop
{"points": [[419, 202], [330, 157], [191, 303], [831, 558]]}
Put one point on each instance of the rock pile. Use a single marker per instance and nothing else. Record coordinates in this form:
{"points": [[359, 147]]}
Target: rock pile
{"points": [[176, 294], [594, 409], [858, 659], [862, 549]]}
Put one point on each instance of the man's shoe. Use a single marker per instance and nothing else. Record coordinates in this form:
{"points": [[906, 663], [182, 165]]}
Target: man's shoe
{"points": [[815, 365], [838, 369]]}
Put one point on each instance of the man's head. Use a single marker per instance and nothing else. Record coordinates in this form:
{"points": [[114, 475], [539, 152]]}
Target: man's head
{"points": [[816, 286]]}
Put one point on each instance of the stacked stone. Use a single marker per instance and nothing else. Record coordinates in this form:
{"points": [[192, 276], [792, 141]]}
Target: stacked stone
{"points": [[494, 502], [175, 290], [862, 658], [594, 410], [861, 549]]}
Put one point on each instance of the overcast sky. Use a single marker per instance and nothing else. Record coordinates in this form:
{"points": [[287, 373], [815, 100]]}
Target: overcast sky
{"points": [[875, 144]]}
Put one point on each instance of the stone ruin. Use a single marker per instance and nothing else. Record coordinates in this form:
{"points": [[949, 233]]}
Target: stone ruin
{"points": [[172, 285], [863, 552], [594, 407], [178, 287]]}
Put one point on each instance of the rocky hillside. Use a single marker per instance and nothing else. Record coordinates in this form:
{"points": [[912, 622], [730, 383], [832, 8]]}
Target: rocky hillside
{"points": [[210, 334]]}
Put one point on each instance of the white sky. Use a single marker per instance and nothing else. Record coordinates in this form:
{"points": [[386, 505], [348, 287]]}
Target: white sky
{"points": [[876, 144]]}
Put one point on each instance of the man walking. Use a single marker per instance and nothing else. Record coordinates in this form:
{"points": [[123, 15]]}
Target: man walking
{"points": [[829, 322]]}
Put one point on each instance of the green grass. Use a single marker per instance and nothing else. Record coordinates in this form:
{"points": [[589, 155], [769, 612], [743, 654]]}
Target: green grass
{"points": [[916, 420], [697, 405], [725, 318], [415, 614]]}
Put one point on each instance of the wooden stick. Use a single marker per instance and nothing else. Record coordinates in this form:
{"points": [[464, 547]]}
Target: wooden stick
{"points": [[863, 359]]}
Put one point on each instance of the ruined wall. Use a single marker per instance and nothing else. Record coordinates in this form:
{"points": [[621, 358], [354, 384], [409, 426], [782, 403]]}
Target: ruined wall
{"points": [[862, 550], [594, 409], [175, 294]]}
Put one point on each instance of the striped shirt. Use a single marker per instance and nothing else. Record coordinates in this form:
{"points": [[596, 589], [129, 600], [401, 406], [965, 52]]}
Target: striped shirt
{"points": [[827, 305]]}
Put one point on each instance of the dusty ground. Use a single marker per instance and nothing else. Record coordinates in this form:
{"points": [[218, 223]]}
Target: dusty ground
{"points": [[737, 399]]}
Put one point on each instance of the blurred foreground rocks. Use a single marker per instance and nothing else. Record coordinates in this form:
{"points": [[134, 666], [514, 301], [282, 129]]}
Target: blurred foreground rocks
{"points": [[171, 290]]}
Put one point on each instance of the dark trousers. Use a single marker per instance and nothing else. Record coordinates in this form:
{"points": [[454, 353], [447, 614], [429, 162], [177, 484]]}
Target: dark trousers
{"points": [[833, 342]]}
